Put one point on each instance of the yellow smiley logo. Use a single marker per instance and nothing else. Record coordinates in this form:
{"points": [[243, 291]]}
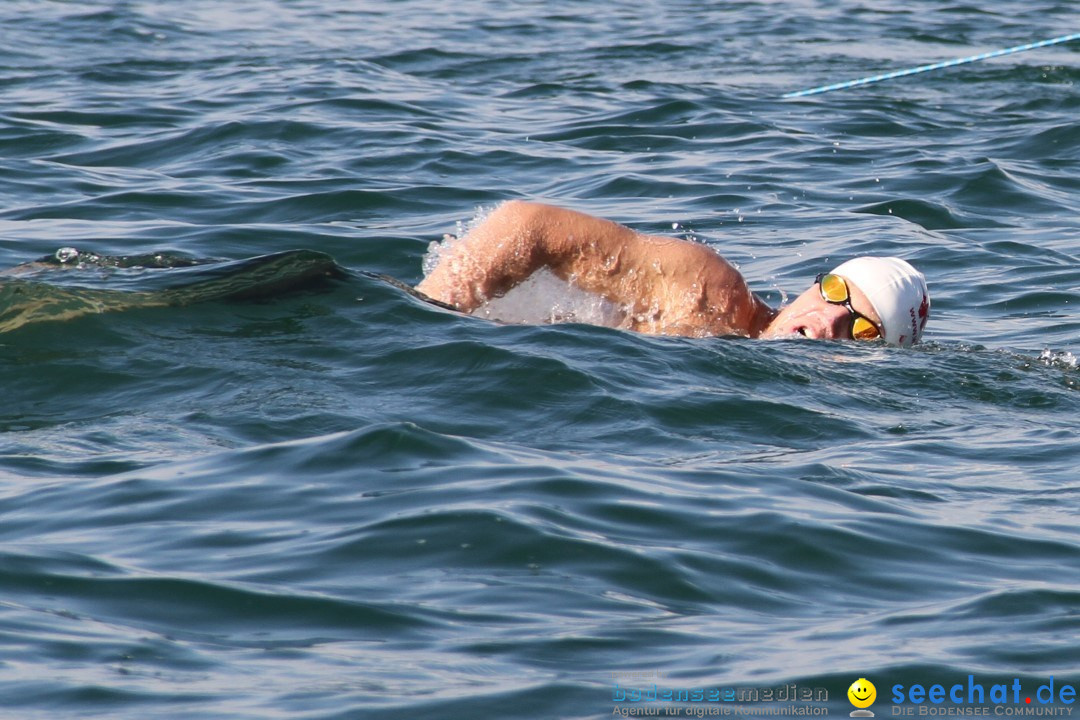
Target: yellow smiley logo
{"points": [[862, 693]]}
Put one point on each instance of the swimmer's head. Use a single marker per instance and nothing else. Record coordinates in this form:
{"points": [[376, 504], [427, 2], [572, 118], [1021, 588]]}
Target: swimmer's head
{"points": [[864, 298], [897, 292]]}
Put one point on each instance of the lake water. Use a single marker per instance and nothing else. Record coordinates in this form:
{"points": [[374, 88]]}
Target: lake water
{"points": [[336, 501]]}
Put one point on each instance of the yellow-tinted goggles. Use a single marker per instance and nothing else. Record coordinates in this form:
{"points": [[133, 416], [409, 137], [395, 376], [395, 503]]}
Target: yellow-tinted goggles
{"points": [[834, 289]]}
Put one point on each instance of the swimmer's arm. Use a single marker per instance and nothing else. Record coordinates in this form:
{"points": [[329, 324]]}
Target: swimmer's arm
{"points": [[519, 238], [669, 282]]}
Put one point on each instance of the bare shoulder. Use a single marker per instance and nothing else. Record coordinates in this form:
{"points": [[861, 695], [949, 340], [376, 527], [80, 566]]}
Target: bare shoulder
{"points": [[689, 288]]}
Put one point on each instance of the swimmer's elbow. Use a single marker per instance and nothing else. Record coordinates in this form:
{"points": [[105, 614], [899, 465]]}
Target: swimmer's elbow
{"points": [[521, 218]]}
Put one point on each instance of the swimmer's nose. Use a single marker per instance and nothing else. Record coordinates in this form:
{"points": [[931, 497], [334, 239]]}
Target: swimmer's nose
{"points": [[837, 321]]}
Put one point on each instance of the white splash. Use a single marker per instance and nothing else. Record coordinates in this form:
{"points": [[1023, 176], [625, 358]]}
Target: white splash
{"points": [[545, 299], [1065, 360], [437, 248]]}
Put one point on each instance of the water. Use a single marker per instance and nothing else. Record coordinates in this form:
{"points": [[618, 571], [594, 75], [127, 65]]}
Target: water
{"points": [[331, 500]]}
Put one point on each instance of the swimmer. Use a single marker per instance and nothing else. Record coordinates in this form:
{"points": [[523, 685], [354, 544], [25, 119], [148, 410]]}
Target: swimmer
{"points": [[670, 286]]}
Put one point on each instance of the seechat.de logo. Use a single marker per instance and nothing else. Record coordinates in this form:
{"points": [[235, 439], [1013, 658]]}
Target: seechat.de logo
{"points": [[862, 695]]}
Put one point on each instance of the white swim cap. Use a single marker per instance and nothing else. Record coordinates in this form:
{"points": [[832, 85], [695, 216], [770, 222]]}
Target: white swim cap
{"points": [[896, 290]]}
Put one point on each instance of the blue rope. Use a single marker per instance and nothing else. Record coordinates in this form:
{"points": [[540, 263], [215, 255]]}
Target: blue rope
{"points": [[934, 66]]}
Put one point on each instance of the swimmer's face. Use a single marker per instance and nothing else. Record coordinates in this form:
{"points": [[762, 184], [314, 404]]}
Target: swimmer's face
{"points": [[812, 316], [862, 693]]}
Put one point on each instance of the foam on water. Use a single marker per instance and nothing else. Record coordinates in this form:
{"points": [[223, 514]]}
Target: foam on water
{"points": [[544, 298]]}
